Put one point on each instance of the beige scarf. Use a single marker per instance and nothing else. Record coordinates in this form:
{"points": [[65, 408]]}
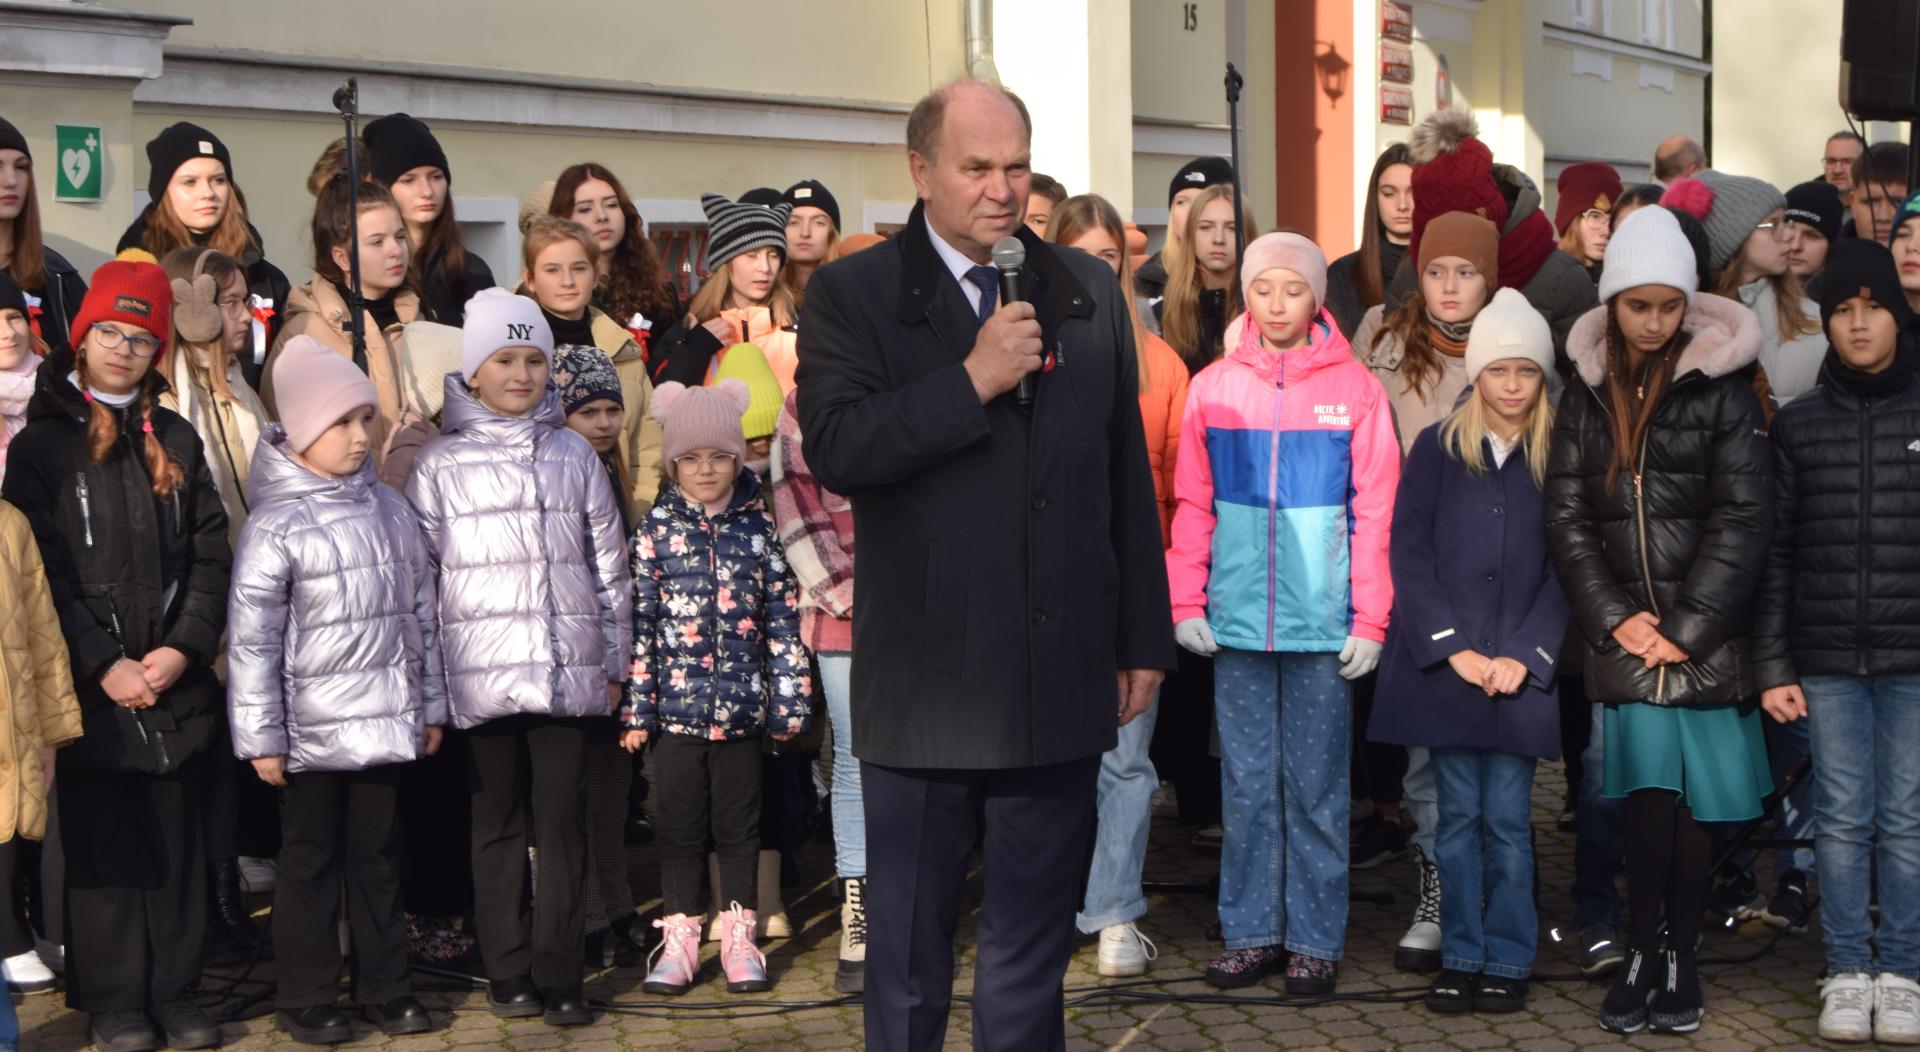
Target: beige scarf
{"points": [[228, 428]]}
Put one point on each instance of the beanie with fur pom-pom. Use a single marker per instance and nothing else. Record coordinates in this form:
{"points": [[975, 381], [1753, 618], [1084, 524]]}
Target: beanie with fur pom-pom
{"points": [[1452, 172], [701, 418]]}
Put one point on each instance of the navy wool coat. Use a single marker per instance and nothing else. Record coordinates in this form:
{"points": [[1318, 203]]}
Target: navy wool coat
{"points": [[1470, 572]]}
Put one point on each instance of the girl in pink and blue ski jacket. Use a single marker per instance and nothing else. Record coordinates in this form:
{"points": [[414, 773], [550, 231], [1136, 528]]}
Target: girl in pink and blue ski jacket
{"points": [[1285, 485]]}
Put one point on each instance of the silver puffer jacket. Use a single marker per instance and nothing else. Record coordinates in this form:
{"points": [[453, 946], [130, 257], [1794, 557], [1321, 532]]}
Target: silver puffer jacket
{"points": [[536, 605], [333, 655]]}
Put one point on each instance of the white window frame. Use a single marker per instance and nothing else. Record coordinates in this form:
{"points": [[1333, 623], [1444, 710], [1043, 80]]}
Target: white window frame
{"points": [[1657, 32], [1593, 16]]}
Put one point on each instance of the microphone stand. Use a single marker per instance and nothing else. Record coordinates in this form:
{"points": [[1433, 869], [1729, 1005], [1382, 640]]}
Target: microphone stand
{"points": [[347, 101], [1234, 83]]}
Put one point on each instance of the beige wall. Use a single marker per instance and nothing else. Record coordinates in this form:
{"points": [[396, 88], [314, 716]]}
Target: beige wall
{"points": [[83, 231], [1776, 88], [1177, 74], [876, 50]]}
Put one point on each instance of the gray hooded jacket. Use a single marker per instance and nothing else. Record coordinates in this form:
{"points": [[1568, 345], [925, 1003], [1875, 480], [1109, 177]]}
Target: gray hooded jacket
{"points": [[536, 602], [333, 656]]}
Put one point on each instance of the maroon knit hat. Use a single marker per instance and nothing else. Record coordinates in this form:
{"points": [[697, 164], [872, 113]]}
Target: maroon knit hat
{"points": [[1452, 172], [1583, 186], [129, 292]]}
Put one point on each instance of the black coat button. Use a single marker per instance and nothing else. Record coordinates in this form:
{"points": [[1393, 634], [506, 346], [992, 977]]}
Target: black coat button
{"points": [[1491, 575], [1039, 618], [1039, 502], [1498, 510]]}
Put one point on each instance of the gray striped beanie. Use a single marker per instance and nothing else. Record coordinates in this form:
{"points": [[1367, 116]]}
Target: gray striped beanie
{"points": [[734, 228]]}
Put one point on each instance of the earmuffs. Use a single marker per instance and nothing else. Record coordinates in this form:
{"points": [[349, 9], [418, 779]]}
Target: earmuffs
{"points": [[196, 315]]}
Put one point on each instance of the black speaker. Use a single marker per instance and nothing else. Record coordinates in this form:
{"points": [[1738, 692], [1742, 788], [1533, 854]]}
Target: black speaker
{"points": [[1879, 50]]}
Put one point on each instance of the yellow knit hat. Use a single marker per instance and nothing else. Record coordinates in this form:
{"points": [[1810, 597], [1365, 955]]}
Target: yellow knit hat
{"points": [[745, 363]]}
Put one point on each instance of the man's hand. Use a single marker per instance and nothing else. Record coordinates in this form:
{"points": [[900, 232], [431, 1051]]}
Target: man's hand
{"points": [[271, 769], [1137, 688], [1007, 349], [434, 737], [1784, 704], [163, 667]]}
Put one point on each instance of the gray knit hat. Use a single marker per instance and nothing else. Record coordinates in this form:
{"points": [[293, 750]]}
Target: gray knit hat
{"points": [[1735, 205], [735, 228]]}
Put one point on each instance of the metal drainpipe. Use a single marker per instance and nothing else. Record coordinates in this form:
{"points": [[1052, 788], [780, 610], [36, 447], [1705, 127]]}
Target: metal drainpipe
{"points": [[980, 41]]}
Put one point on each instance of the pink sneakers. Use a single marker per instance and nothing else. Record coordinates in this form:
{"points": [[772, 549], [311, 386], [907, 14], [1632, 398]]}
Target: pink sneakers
{"points": [[676, 960], [745, 965]]}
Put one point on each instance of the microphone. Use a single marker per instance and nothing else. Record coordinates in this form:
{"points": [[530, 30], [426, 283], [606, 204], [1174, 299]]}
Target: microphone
{"points": [[1009, 255]]}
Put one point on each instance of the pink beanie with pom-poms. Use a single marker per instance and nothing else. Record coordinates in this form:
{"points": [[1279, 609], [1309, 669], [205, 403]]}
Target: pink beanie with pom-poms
{"points": [[701, 418]]}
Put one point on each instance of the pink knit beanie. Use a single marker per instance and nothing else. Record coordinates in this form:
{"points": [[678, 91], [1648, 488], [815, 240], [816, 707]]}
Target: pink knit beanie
{"points": [[317, 386], [1286, 252], [701, 418]]}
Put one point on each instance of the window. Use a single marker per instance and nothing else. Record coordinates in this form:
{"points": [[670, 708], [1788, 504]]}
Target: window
{"points": [[1594, 16], [1656, 23]]}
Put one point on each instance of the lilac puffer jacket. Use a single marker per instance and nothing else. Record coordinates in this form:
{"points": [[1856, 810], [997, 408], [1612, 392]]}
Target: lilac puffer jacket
{"points": [[535, 595], [333, 656]]}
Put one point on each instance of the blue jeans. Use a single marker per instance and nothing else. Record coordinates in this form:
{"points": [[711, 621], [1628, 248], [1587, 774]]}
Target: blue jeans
{"points": [[1484, 843], [1599, 842], [9, 1026], [1285, 726], [1123, 806], [849, 813], [1866, 746]]}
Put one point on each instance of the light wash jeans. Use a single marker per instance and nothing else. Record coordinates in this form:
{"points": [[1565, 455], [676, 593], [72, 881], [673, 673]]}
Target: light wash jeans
{"points": [[849, 813], [1285, 729], [1866, 746], [1123, 808], [1485, 856]]}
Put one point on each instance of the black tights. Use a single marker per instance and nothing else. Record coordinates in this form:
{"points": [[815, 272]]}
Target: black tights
{"points": [[1667, 858]]}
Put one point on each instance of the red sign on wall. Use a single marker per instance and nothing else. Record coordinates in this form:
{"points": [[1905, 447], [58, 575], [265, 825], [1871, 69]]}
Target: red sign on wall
{"points": [[1396, 104], [1396, 63], [1396, 21]]}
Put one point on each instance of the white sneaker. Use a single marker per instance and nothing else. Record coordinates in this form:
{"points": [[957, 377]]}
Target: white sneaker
{"points": [[52, 954], [1124, 951], [27, 973], [1896, 1010], [1846, 1007], [257, 874]]}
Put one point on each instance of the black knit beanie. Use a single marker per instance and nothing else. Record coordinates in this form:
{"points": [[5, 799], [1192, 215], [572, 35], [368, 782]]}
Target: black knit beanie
{"points": [[765, 196], [1862, 267], [812, 193], [12, 296], [400, 143], [11, 139], [1816, 204], [1198, 174], [175, 146]]}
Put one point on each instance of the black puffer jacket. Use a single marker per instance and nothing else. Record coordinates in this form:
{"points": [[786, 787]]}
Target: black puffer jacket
{"points": [[1841, 595], [129, 573], [1686, 538], [448, 299], [266, 284], [60, 297]]}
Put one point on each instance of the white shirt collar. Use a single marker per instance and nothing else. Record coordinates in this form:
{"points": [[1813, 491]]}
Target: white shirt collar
{"points": [[956, 262]]}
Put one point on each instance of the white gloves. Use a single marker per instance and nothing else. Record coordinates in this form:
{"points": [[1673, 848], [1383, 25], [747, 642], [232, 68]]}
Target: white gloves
{"points": [[1194, 635], [1357, 658]]}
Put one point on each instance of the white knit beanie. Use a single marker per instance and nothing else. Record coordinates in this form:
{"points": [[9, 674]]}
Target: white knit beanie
{"points": [[1508, 327], [1649, 249], [497, 318]]}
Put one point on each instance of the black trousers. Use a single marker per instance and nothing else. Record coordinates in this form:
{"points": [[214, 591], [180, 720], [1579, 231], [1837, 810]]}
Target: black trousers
{"points": [[436, 816], [341, 827], [14, 937], [529, 776], [705, 789], [242, 812], [921, 825], [136, 885], [1377, 771]]}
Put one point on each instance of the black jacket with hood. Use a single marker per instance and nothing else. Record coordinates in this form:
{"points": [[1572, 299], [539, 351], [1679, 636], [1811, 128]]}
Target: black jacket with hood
{"points": [[1683, 537], [129, 572], [264, 280], [59, 299]]}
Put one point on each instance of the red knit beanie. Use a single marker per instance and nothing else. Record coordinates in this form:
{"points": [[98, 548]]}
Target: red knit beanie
{"points": [[130, 293], [1452, 172], [1582, 188]]}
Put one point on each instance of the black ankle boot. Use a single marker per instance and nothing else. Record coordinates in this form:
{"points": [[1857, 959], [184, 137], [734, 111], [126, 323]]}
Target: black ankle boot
{"points": [[1677, 1004], [232, 937], [1625, 1009]]}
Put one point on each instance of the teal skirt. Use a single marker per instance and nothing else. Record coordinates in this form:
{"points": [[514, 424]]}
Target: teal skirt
{"points": [[1714, 756]]}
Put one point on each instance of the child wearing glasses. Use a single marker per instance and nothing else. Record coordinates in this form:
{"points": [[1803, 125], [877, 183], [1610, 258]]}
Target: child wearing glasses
{"points": [[534, 606], [135, 542], [718, 663]]}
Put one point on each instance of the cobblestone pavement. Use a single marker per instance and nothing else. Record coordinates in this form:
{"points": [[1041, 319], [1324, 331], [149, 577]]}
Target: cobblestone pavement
{"points": [[1768, 1002]]}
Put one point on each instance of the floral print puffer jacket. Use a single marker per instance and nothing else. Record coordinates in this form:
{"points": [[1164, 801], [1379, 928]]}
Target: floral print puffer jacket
{"points": [[717, 651]]}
